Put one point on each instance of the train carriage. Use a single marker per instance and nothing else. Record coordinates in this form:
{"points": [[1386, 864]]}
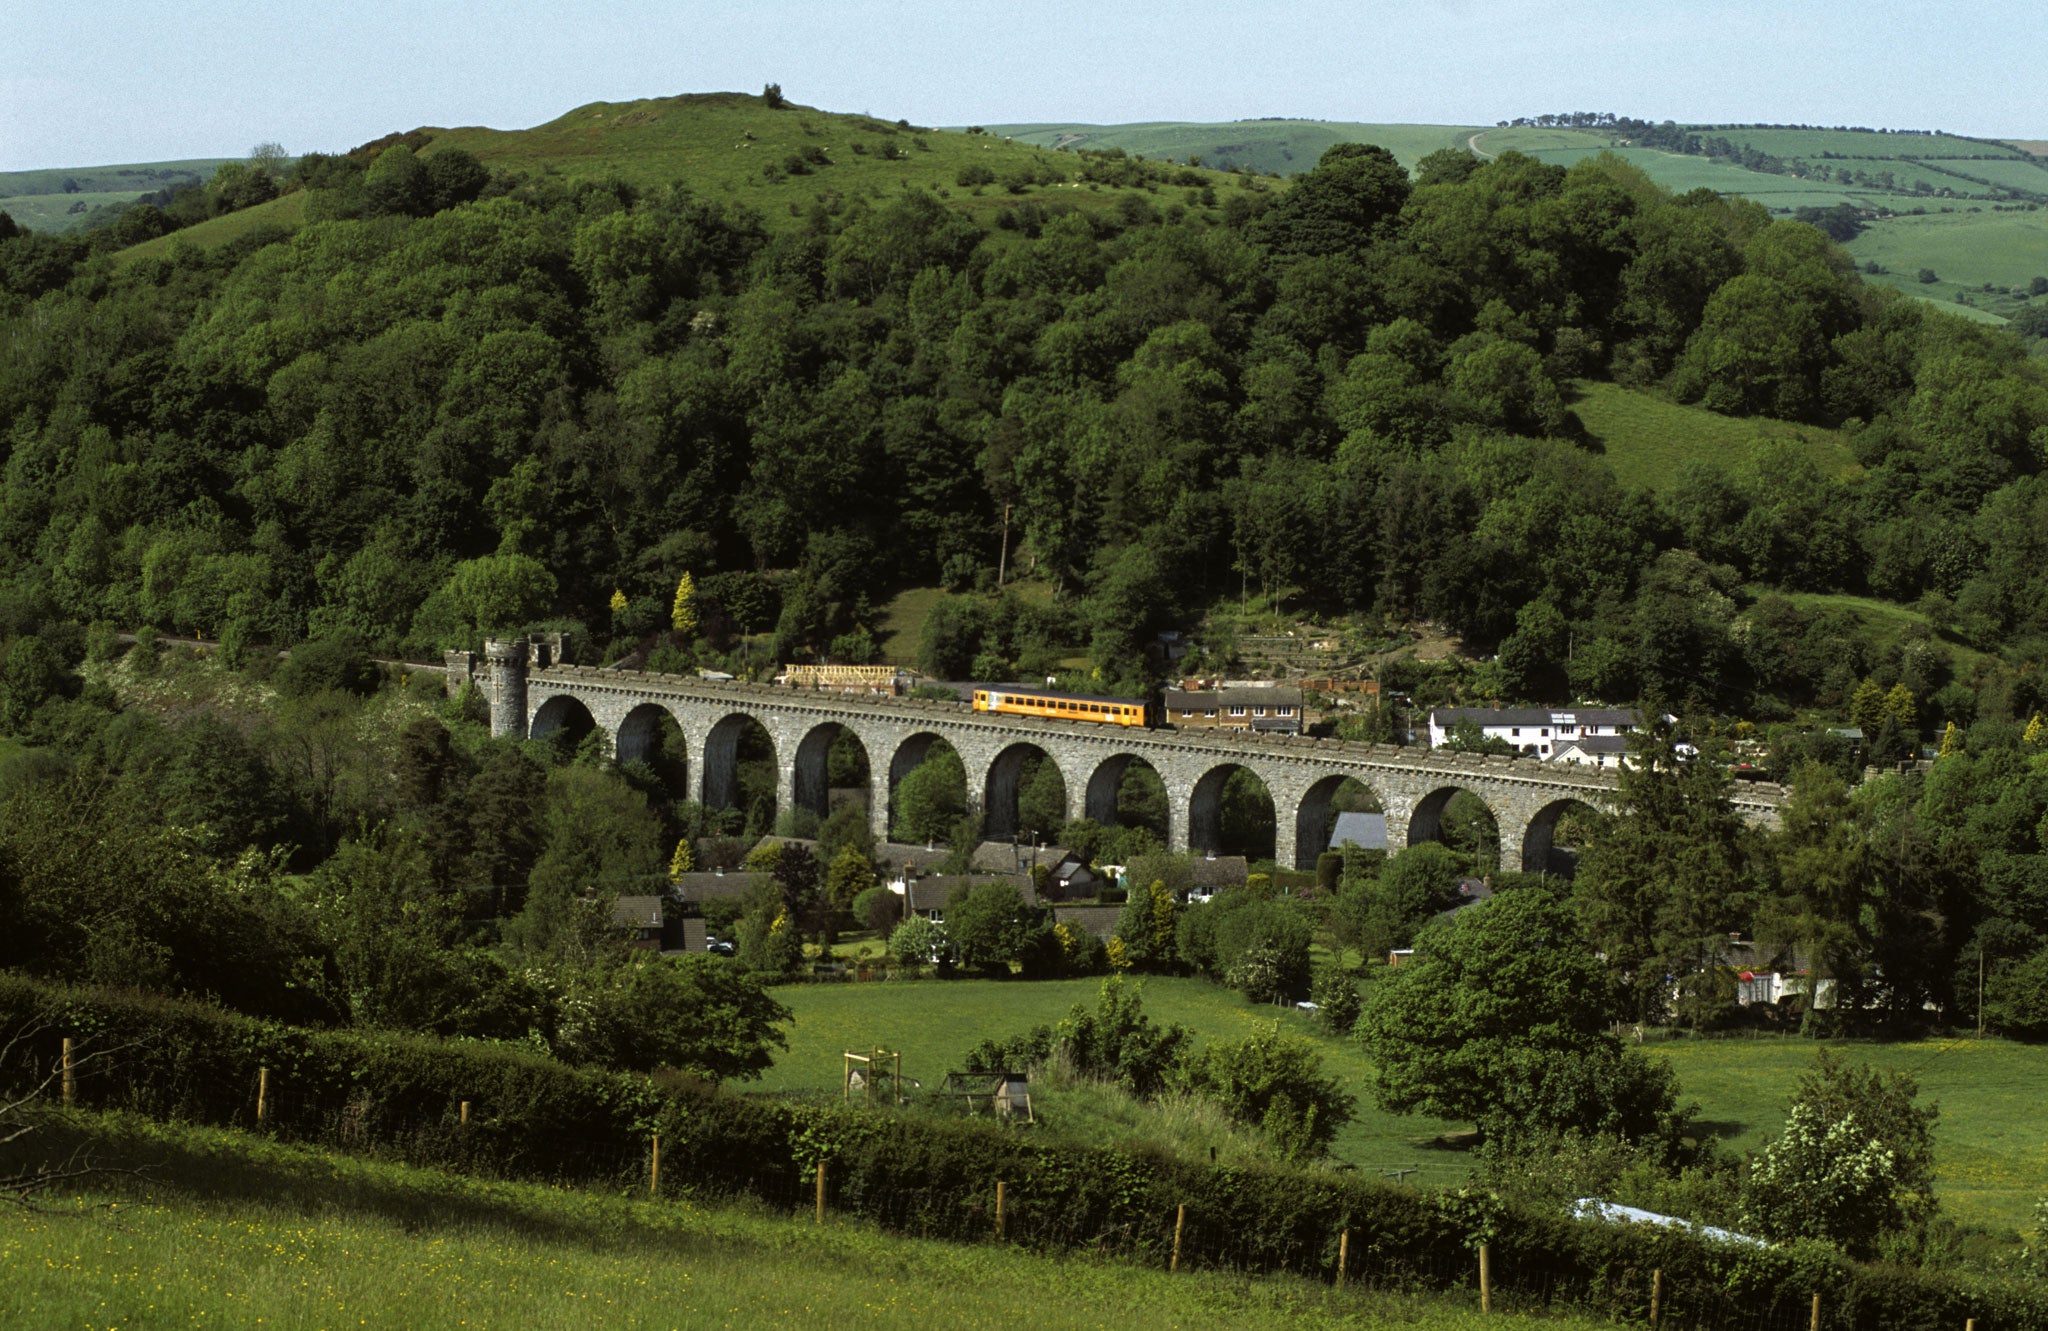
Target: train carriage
{"points": [[1067, 706]]}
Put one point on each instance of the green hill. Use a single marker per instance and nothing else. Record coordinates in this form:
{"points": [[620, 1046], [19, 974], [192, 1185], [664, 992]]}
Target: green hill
{"points": [[1280, 146], [57, 199], [1646, 438], [782, 160]]}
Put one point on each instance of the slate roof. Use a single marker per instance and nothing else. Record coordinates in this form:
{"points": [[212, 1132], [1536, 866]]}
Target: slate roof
{"points": [[1367, 831], [1097, 920], [1221, 871], [1189, 700], [637, 913], [932, 893], [916, 859], [699, 887], [1447, 717]]}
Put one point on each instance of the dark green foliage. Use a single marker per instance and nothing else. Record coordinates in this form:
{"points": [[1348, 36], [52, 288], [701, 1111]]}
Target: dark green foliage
{"points": [[1276, 1082], [340, 662], [990, 927], [1499, 1018]]}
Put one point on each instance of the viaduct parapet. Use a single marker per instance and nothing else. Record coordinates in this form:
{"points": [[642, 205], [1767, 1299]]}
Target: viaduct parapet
{"points": [[532, 698]]}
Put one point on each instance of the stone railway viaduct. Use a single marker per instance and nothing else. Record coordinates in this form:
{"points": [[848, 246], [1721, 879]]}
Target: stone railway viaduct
{"points": [[531, 698]]}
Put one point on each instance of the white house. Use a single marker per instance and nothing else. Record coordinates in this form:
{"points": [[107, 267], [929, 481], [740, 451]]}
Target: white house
{"points": [[1535, 729], [1592, 751]]}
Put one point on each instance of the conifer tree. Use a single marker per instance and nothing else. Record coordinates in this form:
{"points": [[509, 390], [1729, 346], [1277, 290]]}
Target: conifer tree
{"points": [[681, 862], [683, 614]]}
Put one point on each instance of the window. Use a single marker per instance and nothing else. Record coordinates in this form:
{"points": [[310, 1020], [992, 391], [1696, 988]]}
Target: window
{"points": [[1237, 711], [1258, 711], [1546, 732], [1283, 711], [1211, 714], [1516, 732]]}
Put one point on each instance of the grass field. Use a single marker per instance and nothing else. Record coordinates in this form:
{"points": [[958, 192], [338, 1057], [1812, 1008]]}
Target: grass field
{"points": [[1646, 438], [1965, 250], [903, 622], [288, 212], [230, 1230], [1992, 1139], [42, 200]]}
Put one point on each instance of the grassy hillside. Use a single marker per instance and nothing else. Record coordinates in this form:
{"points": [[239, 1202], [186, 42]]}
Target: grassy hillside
{"points": [[47, 200], [1282, 146], [1647, 438], [288, 211], [734, 146], [233, 1230], [1884, 623]]}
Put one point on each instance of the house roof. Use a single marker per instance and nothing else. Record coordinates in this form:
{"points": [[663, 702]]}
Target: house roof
{"points": [[636, 913], [1097, 920], [1002, 857], [934, 892], [1367, 831], [1446, 717], [1221, 871], [695, 887], [916, 859], [1200, 700], [1592, 744]]}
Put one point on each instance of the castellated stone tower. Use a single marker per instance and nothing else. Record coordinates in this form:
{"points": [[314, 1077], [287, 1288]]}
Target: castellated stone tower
{"points": [[505, 686]]}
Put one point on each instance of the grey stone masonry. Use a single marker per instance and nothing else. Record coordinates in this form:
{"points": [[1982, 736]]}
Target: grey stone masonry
{"points": [[1302, 773]]}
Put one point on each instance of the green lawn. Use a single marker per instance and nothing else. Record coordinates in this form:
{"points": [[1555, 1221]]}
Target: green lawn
{"points": [[230, 1230], [1647, 438], [903, 623], [1993, 1137], [288, 212]]}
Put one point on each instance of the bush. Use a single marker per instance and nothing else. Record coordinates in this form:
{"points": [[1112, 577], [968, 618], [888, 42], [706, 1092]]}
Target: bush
{"points": [[340, 663], [974, 174], [1335, 994]]}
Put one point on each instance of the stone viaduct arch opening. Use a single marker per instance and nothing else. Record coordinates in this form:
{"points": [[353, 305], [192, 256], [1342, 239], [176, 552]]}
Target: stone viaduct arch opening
{"points": [[1461, 820], [1316, 817], [831, 769], [1231, 813], [1025, 796], [562, 722], [1554, 837], [650, 737], [1126, 791], [927, 790], [739, 762]]}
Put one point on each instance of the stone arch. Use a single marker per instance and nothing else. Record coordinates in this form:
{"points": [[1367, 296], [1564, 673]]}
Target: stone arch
{"points": [[1106, 786], [1540, 851], [642, 733], [1315, 813], [729, 743], [814, 765], [1427, 821], [910, 753], [561, 718], [1003, 788], [1206, 820]]}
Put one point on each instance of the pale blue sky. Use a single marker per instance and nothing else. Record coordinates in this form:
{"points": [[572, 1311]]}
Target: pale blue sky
{"points": [[87, 82]]}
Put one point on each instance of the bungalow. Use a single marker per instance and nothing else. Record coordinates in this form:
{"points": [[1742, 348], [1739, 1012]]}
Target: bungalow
{"points": [[1533, 729], [928, 896], [1212, 873], [1097, 920], [1065, 871], [694, 889]]}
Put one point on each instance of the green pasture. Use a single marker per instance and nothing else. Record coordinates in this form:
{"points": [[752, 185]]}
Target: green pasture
{"points": [[1811, 143], [1993, 1137], [1286, 147], [1646, 438], [1991, 1142], [231, 1230], [903, 622], [288, 211], [934, 1023], [54, 212], [1965, 250]]}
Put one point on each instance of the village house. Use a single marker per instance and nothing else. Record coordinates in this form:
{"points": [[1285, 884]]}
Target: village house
{"points": [[1533, 730], [1272, 709]]}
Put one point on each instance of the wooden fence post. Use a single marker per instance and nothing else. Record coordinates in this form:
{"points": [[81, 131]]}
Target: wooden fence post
{"points": [[821, 1190], [465, 1113], [262, 1094], [1656, 1297], [1343, 1255], [1485, 1279], [1180, 1222], [1815, 1323], [999, 1208], [654, 1168], [70, 1081]]}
